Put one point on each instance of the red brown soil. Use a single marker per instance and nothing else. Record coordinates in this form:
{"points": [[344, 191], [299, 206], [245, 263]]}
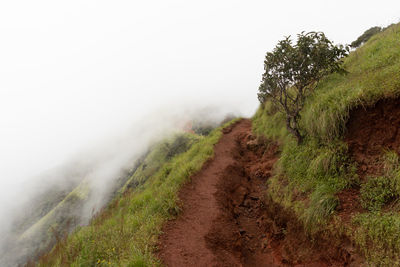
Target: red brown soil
{"points": [[370, 131], [227, 220], [349, 204]]}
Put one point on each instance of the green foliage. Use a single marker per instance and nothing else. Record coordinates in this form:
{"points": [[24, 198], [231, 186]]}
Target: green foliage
{"points": [[391, 162], [274, 127], [310, 165], [309, 169], [319, 172], [158, 155], [377, 192], [366, 36], [126, 232], [293, 71], [323, 203], [373, 75], [309, 176], [377, 235]]}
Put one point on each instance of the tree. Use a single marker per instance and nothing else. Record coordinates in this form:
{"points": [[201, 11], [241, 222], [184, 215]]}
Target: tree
{"points": [[293, 71], [366, 36]]}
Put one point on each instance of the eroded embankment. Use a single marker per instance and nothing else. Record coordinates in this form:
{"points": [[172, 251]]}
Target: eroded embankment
{"points": [[228, 220], [370, 132]]}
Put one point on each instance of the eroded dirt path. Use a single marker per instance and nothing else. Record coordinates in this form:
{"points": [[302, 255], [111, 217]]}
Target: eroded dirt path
{"points": [[218, 225], [226, 221]]}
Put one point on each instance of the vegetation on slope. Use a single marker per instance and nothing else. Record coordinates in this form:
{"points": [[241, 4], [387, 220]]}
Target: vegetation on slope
{"points": [[59, 211], [310, 176], [158, 155], [292, 71], [126, 231]]}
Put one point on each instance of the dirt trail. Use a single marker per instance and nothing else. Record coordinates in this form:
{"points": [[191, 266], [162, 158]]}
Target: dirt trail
{"points": [[226, 221], [184, 242]]}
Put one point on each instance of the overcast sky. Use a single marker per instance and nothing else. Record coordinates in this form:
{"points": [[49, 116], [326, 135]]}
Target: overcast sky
{"points": [[75, 72]]}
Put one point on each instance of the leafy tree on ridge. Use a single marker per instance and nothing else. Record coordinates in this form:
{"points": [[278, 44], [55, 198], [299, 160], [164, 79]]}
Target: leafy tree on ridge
{"points": [[293, 71]]}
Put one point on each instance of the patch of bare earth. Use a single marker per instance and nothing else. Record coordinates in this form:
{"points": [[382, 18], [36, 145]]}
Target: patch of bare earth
{"points": [[227, 219], [370, 131]]}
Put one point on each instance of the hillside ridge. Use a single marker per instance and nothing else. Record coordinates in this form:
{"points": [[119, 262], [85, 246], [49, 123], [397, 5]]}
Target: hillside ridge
{"points": [[227, 220], [330, 201]]}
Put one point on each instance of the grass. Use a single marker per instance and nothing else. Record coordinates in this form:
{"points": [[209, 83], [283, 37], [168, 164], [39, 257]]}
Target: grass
{"points": [[65, 215], [308, 177], [380, 191], [378, 235], [373, 75], [159, 154], [125, 233], [376, 192]]}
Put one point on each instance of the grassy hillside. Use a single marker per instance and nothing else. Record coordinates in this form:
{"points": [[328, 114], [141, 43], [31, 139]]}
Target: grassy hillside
{"points": [[309, 177], [60, 208], [125, 232]]}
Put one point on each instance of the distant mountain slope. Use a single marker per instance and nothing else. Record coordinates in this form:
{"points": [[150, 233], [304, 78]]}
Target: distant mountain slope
{"points": [[61, 208]]}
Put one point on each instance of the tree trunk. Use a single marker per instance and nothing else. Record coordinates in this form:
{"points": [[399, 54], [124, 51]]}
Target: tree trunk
{"points": [[294, 129]]}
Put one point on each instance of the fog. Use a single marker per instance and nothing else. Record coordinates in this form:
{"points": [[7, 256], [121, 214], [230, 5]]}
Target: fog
{"points": [[101, 80]]}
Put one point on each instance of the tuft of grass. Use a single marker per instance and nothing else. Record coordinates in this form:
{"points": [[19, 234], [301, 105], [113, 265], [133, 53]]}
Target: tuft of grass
{"points": [[376, 192], [323, 203], [126, 232], [391, 162]]}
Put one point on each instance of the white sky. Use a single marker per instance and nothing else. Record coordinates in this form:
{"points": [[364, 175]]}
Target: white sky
{"points": [[75, 72]]}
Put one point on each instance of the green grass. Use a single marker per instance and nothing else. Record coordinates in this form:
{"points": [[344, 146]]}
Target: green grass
{"points": [[373, 75], [66, 214], [308, 177], [126, 232], [159, 154], [377, 192], [377, 235]]}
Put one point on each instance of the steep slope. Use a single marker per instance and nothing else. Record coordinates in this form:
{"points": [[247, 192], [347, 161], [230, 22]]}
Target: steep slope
{"points": [[324, 202], [124, 233], [62, 207], [343, 181], [228, 221]]}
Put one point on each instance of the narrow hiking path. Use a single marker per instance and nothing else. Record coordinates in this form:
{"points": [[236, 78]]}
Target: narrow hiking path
{"points": [[225, 221], [218, 226]]}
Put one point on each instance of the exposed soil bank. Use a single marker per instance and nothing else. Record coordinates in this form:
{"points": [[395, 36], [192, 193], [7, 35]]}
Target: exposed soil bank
{"points": [[228, 221], [371, 131]]}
